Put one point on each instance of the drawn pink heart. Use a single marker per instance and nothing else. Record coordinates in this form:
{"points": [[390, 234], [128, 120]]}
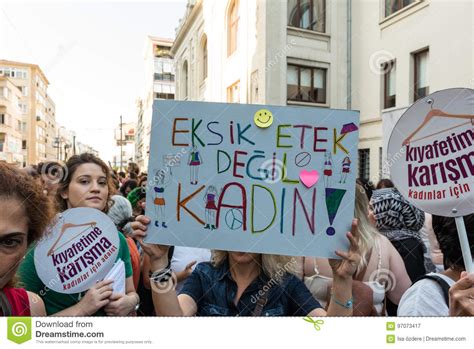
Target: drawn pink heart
{"points": [[309, 178]]}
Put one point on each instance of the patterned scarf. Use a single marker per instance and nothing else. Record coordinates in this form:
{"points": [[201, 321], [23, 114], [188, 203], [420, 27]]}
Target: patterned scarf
{"points": [[395, 217]]}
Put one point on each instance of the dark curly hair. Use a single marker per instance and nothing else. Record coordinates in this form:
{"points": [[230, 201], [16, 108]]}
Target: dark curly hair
{"points": [[51, 169], [71, 166], [131, 183], [15, 184], [447, 236]]}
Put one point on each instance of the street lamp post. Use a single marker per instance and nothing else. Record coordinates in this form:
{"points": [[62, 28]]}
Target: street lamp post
{"points": [[66, 147]]}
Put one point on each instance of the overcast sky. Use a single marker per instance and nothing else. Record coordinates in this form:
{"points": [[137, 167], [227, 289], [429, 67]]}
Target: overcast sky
{"points": [[92, 54]]}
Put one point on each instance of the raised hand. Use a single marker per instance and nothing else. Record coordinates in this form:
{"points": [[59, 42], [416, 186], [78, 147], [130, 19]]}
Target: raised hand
{"points": [[158, 253], [347, 266]]}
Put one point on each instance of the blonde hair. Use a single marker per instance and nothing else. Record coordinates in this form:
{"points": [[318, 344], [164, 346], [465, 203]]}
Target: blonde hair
{"points": [[274, 266], [367, 234]]}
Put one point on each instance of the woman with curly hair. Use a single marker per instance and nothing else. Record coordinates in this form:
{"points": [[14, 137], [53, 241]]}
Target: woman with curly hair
{"points": [[24, 214], [87, 183]]}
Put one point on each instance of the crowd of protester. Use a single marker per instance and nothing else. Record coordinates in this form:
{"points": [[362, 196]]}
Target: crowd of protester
{"points": [[400, 261]]}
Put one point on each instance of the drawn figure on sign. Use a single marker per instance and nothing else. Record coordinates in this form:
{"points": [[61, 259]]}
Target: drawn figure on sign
{"points": [[346, 169], [210, 198], [327, 169], [194, 161], [159, 198]]}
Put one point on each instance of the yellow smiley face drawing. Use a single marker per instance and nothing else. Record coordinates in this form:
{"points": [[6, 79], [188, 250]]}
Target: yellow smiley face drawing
{"points": [[263, 118]]}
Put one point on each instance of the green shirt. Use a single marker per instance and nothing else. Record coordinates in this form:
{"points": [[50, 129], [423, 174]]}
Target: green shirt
{"points": [[54, 301]]}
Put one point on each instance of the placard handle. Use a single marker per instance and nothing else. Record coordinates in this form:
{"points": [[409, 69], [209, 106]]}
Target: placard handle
{"points": [[466, 250]]}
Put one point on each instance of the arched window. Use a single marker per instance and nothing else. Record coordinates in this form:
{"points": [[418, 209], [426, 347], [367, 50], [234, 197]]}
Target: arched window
{"points": [[184, 80], [307, 14], [204, 57], [232, 26]]}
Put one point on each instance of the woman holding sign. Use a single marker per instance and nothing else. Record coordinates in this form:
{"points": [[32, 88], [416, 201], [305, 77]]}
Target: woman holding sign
{"points": [[239, 283], [24, 214], [380, 274], [87, 184]]}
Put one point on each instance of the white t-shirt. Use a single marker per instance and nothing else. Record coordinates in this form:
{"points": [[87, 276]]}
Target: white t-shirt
{"points": [[425, 298], [182, 256]]}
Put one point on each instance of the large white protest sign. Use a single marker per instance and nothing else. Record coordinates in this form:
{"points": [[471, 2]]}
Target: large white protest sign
{"points": [[430, 152], [79, 250], [256, 178]]}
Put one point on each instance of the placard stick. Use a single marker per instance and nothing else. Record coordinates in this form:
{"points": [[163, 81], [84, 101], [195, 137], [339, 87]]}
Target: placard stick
{"points": [[466, 250]]}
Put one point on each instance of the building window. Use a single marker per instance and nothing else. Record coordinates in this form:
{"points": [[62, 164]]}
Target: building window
{"points": [[6, 93], [14, 73], [2, 142], [364, 163], [392, 6], [24, 90], [232, 27], [184, 81], [162, 51], [420, 81], [5, 119], [163, 70], [204, 57], [306, 84], [23, 145], [233, 93], [390, 71], [23, 107], [307, 14], [161, 95], [164, 76]]}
